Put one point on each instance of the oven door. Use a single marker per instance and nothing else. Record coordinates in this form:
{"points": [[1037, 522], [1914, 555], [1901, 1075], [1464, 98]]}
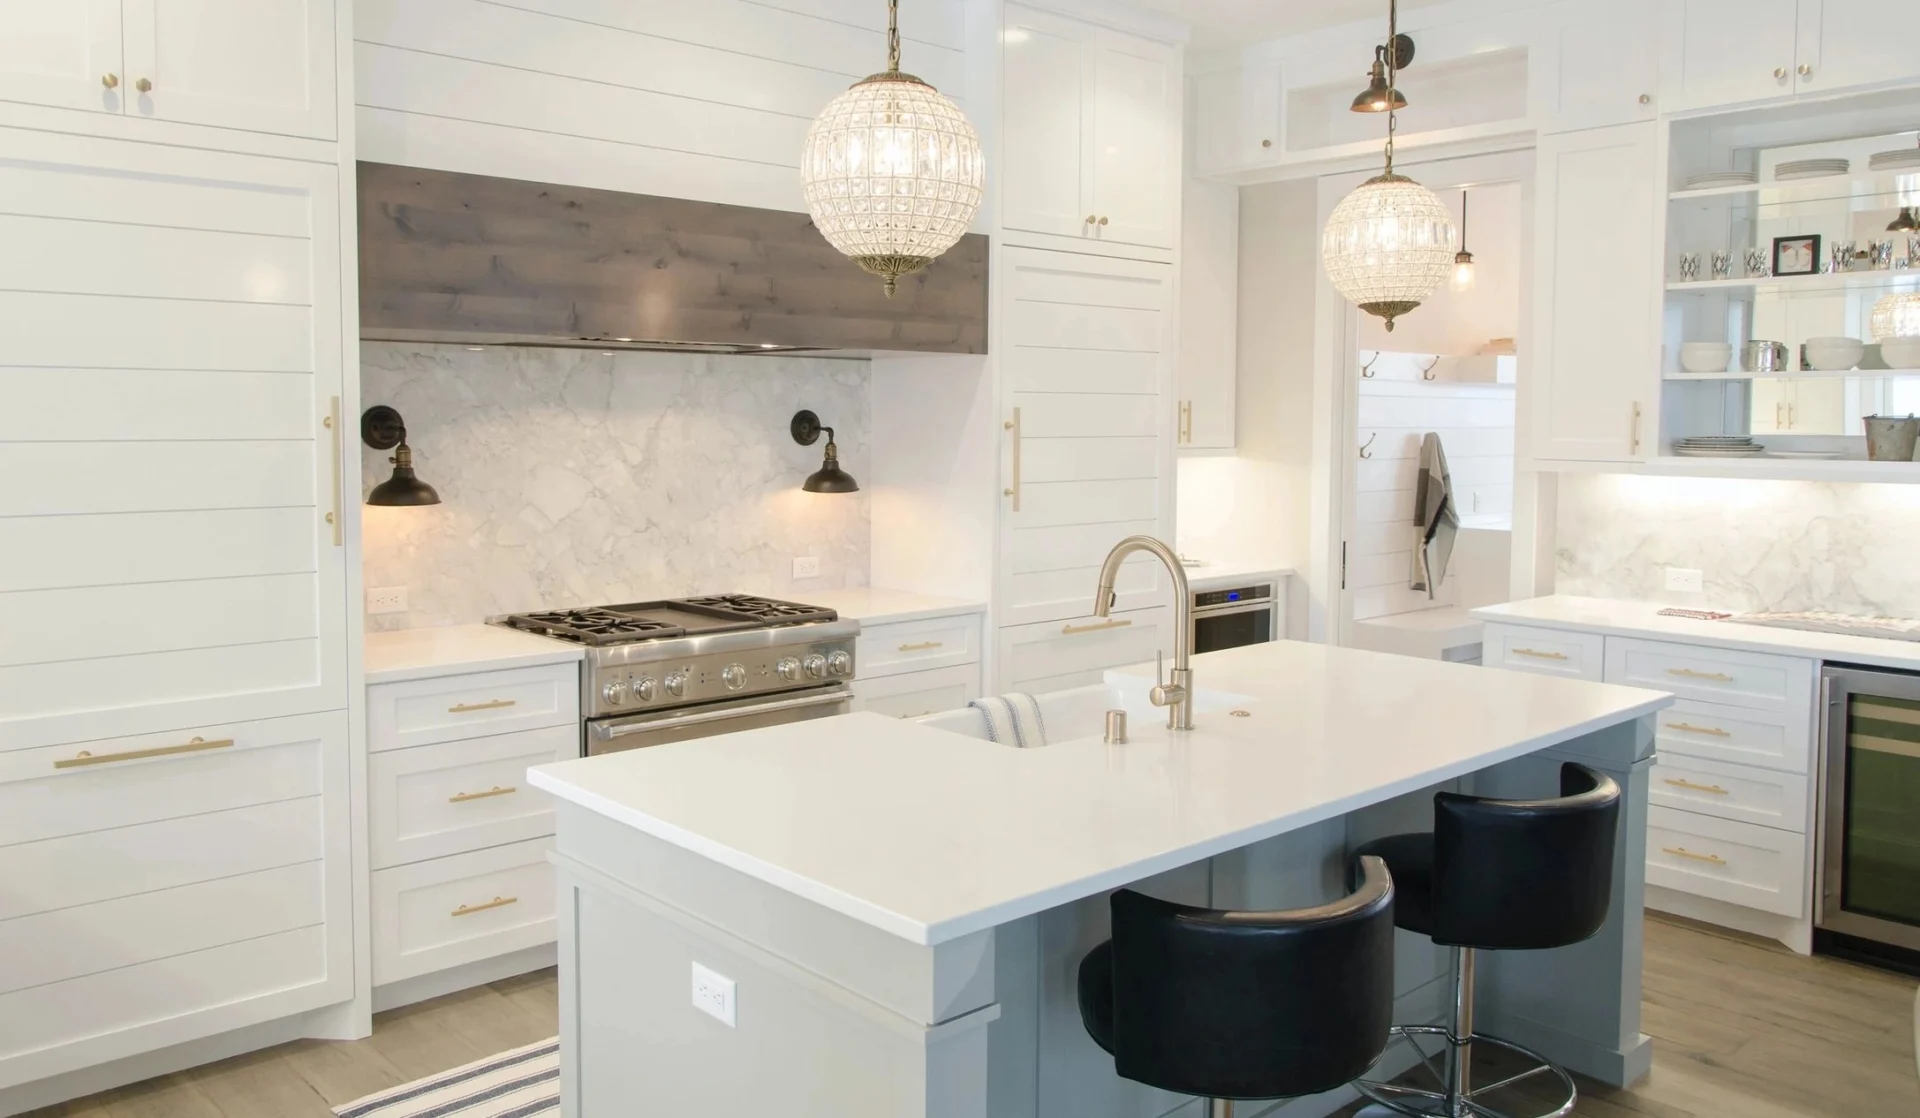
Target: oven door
{"points": [[1233, 626], [638, 731]]}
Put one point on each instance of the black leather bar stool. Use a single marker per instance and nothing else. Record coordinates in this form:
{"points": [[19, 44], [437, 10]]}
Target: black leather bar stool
{"points": [[1505, 875], [1244, 1005]]}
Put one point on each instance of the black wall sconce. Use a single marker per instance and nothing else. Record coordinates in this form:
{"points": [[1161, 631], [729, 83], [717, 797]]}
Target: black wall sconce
{"points": [[382, 429], [829, 478]]}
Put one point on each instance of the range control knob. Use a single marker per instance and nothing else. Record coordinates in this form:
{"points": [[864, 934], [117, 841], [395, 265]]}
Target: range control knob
{"points": [[677, 684], [645, 689], [816, 666], [839, 663], [615, 692], [734, 676], [789, 669]]}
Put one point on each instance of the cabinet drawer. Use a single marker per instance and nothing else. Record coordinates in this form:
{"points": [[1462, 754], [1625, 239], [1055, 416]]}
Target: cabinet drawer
{"points": [[456, 796], [1713, 675], [1740, 863], [912, 646], [1740, 792], [1056, 655], [1544, 651], [461, 909], [917, 693], [1770, 739], [424, 711]]}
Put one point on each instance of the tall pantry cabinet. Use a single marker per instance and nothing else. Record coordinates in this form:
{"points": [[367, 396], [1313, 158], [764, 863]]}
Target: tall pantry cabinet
{"points": [[176, 524]]}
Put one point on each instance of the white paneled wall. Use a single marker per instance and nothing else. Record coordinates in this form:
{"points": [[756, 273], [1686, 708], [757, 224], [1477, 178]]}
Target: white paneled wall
{"points": [[709, 99], [1475, 423]]}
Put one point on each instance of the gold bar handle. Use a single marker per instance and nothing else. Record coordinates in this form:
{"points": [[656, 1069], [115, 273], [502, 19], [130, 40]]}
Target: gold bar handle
{"points": [[1539, 655], [466, 797], [197, 745], [1683, 852], [1013, 425], [1635, 432], [922, 646], [1690, 728], [467, 708], [497, 902], [332, 424], [1690, 786], [1689, 673], [1118, 623]]}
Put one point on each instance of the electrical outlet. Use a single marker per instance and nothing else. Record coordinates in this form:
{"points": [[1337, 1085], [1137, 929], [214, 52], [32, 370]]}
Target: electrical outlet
{"points": [[806, 566], [387, 599], [713, 995], [1685, 579]]}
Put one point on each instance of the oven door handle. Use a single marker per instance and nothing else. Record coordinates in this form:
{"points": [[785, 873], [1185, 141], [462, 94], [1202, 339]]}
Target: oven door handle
{"points": [[1229, 611], [606, 732]]}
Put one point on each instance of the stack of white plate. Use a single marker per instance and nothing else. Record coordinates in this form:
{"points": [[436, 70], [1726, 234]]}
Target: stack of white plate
{"points": [[1896, 160], [1811, 169], [1717, 446], [1721, 178]]}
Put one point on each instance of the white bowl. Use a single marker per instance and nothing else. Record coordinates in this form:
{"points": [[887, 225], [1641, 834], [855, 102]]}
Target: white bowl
{"points": [[1705, 357], [1901, 353], [1834, 354]]}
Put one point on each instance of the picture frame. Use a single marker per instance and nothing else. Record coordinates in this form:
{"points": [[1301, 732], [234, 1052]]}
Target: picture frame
{"points": [[1797, 256]]}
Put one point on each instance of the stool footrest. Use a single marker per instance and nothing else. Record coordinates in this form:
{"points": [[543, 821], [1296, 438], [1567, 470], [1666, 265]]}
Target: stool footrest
{"points": [[1434, 1100]]}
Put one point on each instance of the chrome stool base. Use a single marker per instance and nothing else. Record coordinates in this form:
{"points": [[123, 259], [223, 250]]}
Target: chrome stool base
{"points": [[1438, 1101]]}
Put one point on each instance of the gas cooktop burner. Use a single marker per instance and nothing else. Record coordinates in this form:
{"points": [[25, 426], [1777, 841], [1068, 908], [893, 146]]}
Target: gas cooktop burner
{"points": [[648, 621], [593, 626], [765, 610]]}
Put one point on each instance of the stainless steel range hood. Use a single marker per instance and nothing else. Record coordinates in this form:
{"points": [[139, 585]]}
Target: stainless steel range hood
{"points": [[475, 260]]}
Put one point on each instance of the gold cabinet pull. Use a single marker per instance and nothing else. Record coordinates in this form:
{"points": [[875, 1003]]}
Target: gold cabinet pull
{"points": [[1683, 852], [143, 85], [111, 81], [465, 797], [1690, 728], [1635, 432], [1690, 786], [1184, 434], [1013, 425], [1539, 655], [332, 424], [1117, 623], [922, 646], [497, 902], [496, 704], [197, 745], [1689, 673]]}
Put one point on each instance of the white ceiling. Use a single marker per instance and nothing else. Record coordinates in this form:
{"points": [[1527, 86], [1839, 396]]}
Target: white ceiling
{"points": [[1224, 22]]}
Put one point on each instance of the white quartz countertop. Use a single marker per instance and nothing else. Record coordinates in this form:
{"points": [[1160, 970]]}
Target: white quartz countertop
{"points": [[877, 605], [931, 836], [455, 649], [1642, 619], [1222, 574]]}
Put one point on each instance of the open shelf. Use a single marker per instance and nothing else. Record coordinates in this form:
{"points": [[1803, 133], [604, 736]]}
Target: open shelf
{"points": [[1826, 281], [1802, 374], [1825, 188]]}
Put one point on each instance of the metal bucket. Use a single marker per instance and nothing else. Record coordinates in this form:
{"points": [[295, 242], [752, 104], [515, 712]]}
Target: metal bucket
{"points": [[1891, 438]]}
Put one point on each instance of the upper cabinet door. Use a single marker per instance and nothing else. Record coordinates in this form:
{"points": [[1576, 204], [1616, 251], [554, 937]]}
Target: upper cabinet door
{"points": [[1606, 74], [1235, 117], [1847, 43], [1045, 177], [1136, 140], [1595, 375], [61, 52], [259, 65], [1729, 52]]}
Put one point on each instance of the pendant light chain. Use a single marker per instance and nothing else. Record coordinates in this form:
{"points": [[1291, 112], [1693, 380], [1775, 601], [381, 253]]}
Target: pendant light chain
{"points": [[1393, 75], [893, 36]]}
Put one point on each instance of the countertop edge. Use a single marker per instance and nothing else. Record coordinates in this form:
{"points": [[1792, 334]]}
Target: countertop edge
{"points": [[1767, 640], [446, 652]]}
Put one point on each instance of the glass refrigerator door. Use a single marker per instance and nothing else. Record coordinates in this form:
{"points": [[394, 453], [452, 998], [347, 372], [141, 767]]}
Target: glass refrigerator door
{"points": [[1880, 834]]}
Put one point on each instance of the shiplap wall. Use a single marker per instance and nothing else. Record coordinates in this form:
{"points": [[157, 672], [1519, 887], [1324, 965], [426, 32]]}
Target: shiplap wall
{"points": [[706, 99], [1397, 408]]}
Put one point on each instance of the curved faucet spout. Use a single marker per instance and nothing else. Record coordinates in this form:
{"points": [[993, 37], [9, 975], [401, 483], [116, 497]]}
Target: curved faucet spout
{"points": [[1176, 693]]}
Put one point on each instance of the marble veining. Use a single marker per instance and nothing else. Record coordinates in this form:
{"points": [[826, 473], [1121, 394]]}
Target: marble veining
{"points": [[1761, 545], [575, 477]]}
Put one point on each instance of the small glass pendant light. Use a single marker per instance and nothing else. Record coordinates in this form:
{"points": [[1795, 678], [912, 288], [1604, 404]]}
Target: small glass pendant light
{"points": [[1462, 279]]}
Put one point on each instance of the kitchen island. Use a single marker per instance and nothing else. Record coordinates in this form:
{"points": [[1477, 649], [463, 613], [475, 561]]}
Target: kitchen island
{"points": [[900, 909]]}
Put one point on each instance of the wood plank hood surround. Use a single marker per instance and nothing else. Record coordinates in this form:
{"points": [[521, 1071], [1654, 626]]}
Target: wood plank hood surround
{"points": [[473, 259]]}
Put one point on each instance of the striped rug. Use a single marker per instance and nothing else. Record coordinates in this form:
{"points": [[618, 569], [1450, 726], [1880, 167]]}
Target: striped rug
{"points": [[522, 1083]]}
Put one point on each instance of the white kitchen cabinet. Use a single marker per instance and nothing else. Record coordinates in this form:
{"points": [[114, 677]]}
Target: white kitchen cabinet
{"points": [[64, 54], [1209, 316], [1730, 52], [1075, 652], [916, 693], [1607, 71], [462, 909], [1234, 117], [1092, 150], [1846, 43], [1595, 316]]}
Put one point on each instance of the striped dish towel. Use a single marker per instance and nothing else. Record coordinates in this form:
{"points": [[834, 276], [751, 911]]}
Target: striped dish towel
{"points": [[522, 1083], [1012, 719]]}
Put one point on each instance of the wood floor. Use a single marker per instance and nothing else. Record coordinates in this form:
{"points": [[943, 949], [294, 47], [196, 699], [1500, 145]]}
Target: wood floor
{"points": [[1741, 1028]]}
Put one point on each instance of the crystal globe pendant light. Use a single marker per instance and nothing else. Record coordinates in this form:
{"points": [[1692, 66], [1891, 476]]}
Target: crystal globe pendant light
{"points": [[1391, 242], [892, 170]]}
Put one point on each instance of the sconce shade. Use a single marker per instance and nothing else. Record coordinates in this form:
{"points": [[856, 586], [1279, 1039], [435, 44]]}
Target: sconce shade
{"points": [[382, 429], [829, 478]]}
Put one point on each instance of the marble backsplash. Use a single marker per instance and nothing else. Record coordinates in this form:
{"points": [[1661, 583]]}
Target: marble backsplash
{"points": [[1761, 545], [574, 477]]}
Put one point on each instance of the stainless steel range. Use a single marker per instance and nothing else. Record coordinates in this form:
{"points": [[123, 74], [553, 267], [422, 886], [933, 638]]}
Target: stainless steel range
{"points": [[659, 672]]}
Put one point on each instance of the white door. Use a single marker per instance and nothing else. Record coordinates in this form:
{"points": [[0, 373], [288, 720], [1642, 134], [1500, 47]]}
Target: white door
{"points": [[171, 357], [1606, 74], [1855, 42], [1209, 315], [1728, 52], [1087, 368], [259, 65], [1595, 378], [61, 52], [1047, 180], [1136, 140]]}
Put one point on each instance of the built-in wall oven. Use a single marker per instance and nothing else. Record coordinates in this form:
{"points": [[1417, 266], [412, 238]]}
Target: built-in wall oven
{"points": [[1235, 616], [1868, 894]]}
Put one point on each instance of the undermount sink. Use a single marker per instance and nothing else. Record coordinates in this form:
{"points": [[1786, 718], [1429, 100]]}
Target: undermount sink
{"points": [[1081, 712]]}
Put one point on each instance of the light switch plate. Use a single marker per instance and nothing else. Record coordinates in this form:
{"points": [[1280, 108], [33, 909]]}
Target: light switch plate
{"points": [[713, 995], [806, 566], [1686, 580], [387, 599]]}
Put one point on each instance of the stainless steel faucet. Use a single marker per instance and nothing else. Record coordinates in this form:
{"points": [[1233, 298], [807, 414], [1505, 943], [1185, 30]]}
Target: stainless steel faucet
{"points": [[1176, 692]]}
